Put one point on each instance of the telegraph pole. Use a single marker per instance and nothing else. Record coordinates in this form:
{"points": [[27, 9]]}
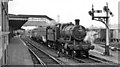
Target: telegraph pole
{"points": [[105, 20]]}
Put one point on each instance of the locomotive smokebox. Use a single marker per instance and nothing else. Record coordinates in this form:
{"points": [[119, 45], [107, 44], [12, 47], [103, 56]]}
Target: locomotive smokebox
{"points": [[77, 21]]}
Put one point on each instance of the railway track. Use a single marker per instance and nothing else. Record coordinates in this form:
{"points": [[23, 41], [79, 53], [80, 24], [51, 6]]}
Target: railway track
{"points": [[91, 59], [36, 59], [41, 57]]}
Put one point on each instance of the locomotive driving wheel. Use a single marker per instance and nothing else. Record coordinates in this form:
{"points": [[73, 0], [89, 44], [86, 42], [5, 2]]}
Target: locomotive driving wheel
{"points": [[66, 52], [70, 52], [58, 53], [82, 54], [49, 44], [78, 53], [86, 54], [53, 45], [63, 50], [73, 53]]}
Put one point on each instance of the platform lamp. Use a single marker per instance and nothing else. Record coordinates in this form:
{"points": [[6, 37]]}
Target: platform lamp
{"points": [[105, 20]]}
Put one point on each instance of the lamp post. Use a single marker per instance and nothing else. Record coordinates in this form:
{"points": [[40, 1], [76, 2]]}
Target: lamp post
{"points": [[105, 20]]}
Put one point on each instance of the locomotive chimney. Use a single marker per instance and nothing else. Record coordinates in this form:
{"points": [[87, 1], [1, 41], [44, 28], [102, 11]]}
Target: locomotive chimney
{"points": [[77, 21]]}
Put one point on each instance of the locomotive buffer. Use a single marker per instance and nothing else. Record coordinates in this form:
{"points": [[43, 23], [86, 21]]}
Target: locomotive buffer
{"points": [[105, 20]]}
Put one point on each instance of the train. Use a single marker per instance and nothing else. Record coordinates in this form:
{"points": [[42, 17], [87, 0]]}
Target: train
{"points": [[67, 38]]}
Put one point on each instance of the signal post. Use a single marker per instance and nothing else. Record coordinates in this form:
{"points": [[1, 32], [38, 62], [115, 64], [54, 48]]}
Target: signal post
{"points": [[105, 20]]}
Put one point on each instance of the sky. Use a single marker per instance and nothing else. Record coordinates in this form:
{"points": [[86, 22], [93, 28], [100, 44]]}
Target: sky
{"points": [[68, 10]]}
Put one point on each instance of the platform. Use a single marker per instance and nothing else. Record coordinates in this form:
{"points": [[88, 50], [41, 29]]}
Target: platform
{"points": [[98, 51], [18, 53]]}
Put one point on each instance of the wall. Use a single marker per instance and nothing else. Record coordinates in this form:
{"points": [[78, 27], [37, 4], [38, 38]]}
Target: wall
{"points": [[4, 31], [0, 34]]}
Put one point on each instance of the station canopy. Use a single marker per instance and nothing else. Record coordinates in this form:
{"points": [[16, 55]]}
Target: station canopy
{"points": [[17, 21]]}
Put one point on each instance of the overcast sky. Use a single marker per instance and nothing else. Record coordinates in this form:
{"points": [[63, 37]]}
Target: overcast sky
{"points": [[67, 9]]}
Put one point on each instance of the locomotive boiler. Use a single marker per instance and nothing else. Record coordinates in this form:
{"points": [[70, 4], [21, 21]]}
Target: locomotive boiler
{"points": [[77, 32]]}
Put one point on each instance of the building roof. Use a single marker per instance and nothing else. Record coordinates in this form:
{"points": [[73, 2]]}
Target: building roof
{"points": [[17, 21], [28, 16], [35, 23]]}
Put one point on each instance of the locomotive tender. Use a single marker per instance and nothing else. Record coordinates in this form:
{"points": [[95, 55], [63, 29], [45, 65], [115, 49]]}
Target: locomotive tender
{"points": [[67, 38]]}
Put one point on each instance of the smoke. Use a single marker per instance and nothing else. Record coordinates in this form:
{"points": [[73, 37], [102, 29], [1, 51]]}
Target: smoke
{"points": [[52, 23], [91, 36]]}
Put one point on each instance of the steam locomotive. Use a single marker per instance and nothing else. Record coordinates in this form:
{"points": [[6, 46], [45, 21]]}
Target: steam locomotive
{"points": [[66, 38]]}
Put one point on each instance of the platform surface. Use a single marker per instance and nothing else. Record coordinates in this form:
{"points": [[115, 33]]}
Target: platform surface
{"points": [[98, 51], [18, 53]]}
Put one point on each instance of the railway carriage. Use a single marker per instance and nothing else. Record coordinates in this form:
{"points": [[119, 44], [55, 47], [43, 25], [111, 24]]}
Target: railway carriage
{"points": [[38, 33], [113, 35]]}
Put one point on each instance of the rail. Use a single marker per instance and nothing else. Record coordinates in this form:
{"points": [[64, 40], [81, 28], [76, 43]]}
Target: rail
{"points": [[43, 57]]}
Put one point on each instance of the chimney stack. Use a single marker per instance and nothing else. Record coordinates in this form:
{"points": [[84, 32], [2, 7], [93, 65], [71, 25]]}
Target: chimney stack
{"points": [[77, 21]]}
